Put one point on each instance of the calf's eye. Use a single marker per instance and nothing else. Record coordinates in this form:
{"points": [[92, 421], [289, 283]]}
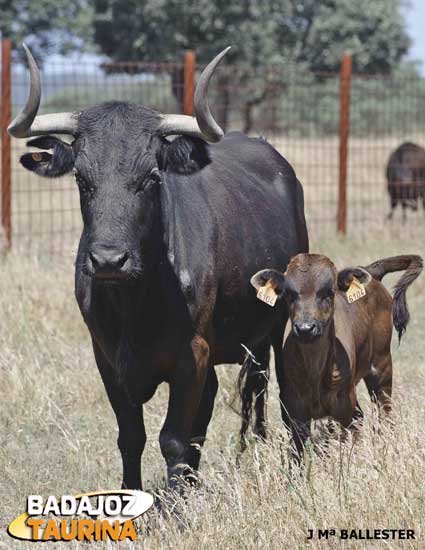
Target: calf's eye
{"points": [[290, 295], [326, 295]]}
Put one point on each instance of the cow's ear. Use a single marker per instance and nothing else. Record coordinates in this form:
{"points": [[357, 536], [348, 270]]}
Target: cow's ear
{"points": [[270, 277], [185, 155], [60, 162], [345, 277]]}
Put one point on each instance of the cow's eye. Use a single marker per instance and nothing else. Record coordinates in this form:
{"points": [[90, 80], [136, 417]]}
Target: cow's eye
{"points": [[326, 294], [144, 184]]}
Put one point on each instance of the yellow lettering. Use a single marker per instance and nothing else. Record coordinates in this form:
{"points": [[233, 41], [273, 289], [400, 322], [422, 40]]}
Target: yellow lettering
{"points": [[70, 534], [128, 531], [35, 525], [111, 530], [85, 529], [51, 530]]}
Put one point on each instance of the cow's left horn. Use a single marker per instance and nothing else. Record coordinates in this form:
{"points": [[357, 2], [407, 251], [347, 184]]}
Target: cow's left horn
{"points": [[204, 124], [27, 123]]}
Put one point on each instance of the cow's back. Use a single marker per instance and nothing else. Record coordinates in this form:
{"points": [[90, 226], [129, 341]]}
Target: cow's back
{"points": [[241, 212]]}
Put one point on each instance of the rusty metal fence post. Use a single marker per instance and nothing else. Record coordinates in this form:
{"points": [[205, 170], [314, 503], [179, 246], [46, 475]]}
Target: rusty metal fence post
{"points": [[189, 81], [344, 126], [6, 218]]}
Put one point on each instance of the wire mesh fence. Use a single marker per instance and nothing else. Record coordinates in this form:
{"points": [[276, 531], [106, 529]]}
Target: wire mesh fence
{"points": [[298, 112]]}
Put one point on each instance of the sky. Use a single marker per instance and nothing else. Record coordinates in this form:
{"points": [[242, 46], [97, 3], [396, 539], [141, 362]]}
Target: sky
{"points": [[415, 16]]}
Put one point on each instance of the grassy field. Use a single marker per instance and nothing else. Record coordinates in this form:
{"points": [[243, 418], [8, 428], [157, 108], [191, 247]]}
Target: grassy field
{"points": [[59, 434]]}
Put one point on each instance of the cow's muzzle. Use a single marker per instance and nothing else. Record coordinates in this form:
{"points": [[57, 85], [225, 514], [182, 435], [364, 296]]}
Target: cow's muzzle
{"points": [[109, 263]]}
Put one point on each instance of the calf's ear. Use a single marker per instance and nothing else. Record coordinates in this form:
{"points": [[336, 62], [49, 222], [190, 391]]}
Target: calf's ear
{"points": [[346, 276], [54, 165], [185, 155], [270, 277]]}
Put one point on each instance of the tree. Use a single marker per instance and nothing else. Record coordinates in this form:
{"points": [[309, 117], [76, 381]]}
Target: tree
{"points": [[373, 32], [48, 26], [309, 33]]}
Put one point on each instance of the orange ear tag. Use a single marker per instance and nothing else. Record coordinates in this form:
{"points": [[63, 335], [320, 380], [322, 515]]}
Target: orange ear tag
{"points": [[37, 157], [267, 294], [355, 291]]}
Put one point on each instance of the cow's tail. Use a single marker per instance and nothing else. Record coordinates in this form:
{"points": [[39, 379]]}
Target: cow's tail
{"points": [[252, 385], [412, 266]]}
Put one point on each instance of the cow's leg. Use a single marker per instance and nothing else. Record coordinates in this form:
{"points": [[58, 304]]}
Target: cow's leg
{"points": [[186, 389], [358, 416], [277, 344], [393, 204], [132, 435], [379, 382], [297, 419], [298, 422], [348, 413], [200, 426], [353, 424], [404, 214]]}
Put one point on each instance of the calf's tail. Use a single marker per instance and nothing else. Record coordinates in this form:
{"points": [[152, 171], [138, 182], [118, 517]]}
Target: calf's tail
{"points": [[412, 266]]}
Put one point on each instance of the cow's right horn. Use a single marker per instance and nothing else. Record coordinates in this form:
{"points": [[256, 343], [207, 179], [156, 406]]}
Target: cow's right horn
{"points": [[204, 124], [27, 123]]}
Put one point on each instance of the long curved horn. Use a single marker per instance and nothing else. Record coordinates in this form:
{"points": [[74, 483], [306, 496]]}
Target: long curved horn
{"points": [[204, 124], [209, 127], [27, 123]]}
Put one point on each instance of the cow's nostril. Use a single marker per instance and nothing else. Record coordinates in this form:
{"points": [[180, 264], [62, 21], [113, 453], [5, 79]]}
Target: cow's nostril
{"points": [[120, 260], [94, 260]]}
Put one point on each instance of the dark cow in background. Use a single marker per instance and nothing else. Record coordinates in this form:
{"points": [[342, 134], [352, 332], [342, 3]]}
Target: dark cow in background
{"points": [[172, 232], [406, 177]]}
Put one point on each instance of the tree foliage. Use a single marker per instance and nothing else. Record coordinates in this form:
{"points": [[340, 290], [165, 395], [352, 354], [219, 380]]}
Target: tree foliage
{"points": [[48, 26], [263, 32], [292, 34]]}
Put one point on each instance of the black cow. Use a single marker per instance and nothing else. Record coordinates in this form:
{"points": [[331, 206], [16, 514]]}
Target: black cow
{"points": [[173, 230], [406, 177]]}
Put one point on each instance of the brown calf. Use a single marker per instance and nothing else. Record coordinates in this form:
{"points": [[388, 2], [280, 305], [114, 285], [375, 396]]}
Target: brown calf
{"points": [[334, 344]]}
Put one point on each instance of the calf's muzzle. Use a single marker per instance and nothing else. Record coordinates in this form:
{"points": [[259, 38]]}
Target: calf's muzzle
{"points": [[306, 330]]}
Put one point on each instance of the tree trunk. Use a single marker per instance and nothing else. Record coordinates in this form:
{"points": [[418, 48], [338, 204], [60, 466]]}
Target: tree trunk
{"points": [[177, 86], [247, 117], [222, 106]]}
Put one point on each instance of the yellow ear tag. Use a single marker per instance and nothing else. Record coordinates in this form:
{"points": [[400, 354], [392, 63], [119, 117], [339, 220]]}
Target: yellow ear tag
{"points": [[37, 156], [267, 294], [355, 291]]}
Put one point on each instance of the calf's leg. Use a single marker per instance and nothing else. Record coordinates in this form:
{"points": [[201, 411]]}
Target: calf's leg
{"points": [[379, 382], [297, 420]]}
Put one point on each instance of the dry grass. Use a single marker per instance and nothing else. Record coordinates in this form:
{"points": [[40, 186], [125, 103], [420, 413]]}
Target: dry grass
{"points": [[58, 433]]}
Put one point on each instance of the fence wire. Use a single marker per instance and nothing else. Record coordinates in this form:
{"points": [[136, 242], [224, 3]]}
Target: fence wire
{"points": [[297, 112]]}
